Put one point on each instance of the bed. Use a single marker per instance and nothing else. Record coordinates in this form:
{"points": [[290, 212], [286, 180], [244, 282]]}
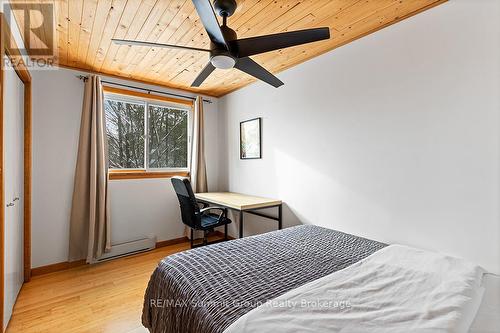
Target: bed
{"points": [[205, 290], [282, 280]]}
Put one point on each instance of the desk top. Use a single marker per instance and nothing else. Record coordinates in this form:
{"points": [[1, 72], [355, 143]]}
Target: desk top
{"points": [[237, 201]]}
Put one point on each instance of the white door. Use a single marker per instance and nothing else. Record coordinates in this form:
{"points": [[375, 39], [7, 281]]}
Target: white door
{"points": [[14, 187]]}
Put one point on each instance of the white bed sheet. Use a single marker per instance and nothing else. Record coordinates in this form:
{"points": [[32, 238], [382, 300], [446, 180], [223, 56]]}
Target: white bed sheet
{"points": [[397, 289]]}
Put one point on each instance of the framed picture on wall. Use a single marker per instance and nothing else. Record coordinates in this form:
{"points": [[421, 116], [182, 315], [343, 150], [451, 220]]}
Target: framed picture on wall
{"points": [[251, 139]]}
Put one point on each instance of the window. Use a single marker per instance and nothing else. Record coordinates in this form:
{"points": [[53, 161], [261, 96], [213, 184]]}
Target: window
{"points": [[125, 127], [146, 135], [168, 137]]}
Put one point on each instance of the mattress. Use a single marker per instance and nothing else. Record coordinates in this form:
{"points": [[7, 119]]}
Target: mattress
{"points": [[205, 290], [488, 318]]}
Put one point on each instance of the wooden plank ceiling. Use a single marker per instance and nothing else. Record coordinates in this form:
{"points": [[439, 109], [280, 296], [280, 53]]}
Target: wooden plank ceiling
{"points": [[84, 29]]}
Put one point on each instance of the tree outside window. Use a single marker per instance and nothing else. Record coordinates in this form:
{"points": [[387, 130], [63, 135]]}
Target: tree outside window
{"points": [[162, 132]]}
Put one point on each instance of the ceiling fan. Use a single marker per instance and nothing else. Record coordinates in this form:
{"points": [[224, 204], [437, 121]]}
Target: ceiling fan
{"points": [[226, 51]]}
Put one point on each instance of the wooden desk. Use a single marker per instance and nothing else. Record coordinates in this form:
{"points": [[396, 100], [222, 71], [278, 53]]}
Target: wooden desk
{"points": [[243, 204]]}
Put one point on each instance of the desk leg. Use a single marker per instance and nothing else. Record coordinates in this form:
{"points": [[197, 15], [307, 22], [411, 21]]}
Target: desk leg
{"points": [[280, 217], [241, 224]]}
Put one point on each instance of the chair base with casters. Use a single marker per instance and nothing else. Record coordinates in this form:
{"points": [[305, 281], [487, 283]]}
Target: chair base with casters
{"points": [[195, 218]]}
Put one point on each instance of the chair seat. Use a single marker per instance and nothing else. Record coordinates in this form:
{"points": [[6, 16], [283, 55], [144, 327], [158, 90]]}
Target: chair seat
{"points": [[209, 221]]}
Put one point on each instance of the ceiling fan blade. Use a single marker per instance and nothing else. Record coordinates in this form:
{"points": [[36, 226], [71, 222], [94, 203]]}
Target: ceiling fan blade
{"points": [[249, 66], [209, 20], [256, 45], [140, 43], [209, 68]]}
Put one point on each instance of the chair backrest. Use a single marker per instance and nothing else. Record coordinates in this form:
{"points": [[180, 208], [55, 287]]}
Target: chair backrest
{"points": [[189, 206]]}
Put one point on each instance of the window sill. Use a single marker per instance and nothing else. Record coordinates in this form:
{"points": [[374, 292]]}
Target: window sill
{"points": [[141, 174]]}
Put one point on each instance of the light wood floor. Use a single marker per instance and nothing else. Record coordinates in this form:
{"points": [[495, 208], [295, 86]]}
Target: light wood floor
{"points": [[102, 298]]}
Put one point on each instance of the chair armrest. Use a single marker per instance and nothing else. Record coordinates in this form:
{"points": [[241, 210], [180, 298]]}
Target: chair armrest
{"points": [[222, 209], [204, 204]]}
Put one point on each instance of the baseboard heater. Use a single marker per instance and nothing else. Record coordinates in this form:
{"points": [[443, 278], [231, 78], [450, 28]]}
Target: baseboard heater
{"points": [[129, 248]]}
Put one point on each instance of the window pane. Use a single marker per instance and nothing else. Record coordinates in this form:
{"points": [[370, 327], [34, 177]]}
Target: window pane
{"points": [[168, 137], [125, 127]]}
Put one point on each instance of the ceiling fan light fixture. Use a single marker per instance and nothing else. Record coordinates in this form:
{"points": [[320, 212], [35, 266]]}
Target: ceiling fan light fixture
{"points": [[223, 61]]}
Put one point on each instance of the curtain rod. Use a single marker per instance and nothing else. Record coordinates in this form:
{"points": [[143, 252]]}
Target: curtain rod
{"points": [[149, 91]]}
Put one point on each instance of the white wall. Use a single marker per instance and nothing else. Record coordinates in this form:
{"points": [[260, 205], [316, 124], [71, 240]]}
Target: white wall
{"points": [[394, 137], [138, 207]]}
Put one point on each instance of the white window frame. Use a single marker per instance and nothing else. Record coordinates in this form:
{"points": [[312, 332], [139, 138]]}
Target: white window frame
{"points": [[147, 103]]}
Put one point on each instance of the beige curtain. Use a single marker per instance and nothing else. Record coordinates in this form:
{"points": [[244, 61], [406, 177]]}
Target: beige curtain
{"points": [[198, 170], [198, 164], [90, 221]]}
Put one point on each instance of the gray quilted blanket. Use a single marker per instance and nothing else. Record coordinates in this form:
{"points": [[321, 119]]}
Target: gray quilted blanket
{"points": [[205, 290]]}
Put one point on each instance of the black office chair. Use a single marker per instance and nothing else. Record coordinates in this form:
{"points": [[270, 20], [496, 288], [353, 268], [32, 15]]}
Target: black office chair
{"points": [[196, 218]]}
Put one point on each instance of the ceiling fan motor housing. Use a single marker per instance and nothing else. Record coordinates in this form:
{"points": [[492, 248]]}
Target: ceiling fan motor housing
{"points": [[225, 8], [229, 35]]}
